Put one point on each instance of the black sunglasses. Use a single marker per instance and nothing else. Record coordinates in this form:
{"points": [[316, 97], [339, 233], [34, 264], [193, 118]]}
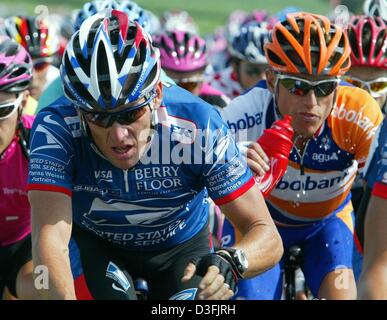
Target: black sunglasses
{"points": [[301, 87], [126, 117]]}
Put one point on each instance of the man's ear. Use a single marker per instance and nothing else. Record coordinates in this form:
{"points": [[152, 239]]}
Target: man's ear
{"points": [[159, 96], [26, 95], [270, 80], [23, 104]]}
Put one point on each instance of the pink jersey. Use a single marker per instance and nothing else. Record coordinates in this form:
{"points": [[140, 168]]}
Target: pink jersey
{"points": [[15, 221]]}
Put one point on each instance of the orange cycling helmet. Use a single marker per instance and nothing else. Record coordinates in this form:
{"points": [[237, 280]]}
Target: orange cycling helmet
{"points": [[308, 43]]}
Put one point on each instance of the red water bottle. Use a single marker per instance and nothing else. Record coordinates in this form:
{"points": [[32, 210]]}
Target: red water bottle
{"points": [[277, 143]]}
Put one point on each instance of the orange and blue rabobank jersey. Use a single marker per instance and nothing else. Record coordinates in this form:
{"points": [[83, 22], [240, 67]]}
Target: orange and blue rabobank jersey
{"points": [[311, 203], [317, 183]]}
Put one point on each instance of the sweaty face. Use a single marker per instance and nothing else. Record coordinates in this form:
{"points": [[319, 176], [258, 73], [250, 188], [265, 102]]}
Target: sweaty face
{"points": [[308, 111]]}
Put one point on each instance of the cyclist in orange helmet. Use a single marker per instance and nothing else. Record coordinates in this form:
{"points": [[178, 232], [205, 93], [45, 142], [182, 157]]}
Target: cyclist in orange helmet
{"points": [[333, 126]]}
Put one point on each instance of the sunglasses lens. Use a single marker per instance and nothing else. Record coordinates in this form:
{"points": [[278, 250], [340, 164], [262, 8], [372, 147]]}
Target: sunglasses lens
{"points": [[104, 120], [130, 117], [325, 89], [378, 86], [6, 111], [296, 87], [99, 119], [301, 88]]}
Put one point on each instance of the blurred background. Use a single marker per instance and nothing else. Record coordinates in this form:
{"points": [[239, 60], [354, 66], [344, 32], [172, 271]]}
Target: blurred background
{"points": [[208, 14]]}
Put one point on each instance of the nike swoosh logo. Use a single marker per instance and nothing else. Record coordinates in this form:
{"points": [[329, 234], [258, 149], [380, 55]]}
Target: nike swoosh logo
{"points": [[118, 288]]}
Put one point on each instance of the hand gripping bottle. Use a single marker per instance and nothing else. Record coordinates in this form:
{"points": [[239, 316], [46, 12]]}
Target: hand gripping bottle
{"points": [[277, 143]]}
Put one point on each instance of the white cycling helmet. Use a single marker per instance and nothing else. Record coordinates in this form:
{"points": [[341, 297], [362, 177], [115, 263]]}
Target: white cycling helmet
{"points": [[377, 8]]}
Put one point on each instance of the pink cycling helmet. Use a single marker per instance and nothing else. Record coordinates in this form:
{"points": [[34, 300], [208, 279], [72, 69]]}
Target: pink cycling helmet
{"points": [[181, 51], [368, 40], [15, 66]]}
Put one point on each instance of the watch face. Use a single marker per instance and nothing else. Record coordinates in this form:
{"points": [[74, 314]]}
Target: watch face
{"points": [[244, 264]]}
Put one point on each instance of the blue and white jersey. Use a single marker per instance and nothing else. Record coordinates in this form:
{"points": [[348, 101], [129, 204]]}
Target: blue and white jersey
{"points": [[376, 166], [160, 202]]}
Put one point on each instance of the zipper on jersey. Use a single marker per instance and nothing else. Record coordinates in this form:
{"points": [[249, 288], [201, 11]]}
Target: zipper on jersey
{"points": [[302, 168], [126, 174]]}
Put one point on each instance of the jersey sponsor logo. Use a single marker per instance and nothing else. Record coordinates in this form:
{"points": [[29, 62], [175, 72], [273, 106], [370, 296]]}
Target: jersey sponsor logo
{"points": [[46, 171], [357, 118], [141, 239], [115, 213], [51, 144], [113, 272], [322, 157], [309, 183], [11, 191], [249, 121], [11, 218], [187, 294], [164, 178], [102, 175], [51, 141], [96, 189]]}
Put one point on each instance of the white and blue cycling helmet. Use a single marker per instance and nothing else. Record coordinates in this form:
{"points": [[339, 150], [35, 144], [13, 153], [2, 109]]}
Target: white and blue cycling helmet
{"points": [[109, 62]]}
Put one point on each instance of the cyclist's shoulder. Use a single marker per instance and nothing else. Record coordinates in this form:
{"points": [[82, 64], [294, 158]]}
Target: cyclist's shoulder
{"points": [[355, 107], [356, 99], [181, 104], [59, 113], [255, 100]]}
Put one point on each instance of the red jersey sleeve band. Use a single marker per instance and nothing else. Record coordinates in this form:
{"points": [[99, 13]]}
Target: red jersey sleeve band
{"points": [[236, 194], [380, 190], [49, 187]]}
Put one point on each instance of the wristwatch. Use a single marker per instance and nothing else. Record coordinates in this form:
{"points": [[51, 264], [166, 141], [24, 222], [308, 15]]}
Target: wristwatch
{"points": [[238, 259]]}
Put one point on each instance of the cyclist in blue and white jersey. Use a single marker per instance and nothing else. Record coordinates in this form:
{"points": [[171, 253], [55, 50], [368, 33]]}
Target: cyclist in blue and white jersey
{"points": [[124, 164]]}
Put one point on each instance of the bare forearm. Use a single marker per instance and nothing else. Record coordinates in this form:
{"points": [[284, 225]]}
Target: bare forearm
{"points": [[53, 254], [263, 247], [373, 282]]}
